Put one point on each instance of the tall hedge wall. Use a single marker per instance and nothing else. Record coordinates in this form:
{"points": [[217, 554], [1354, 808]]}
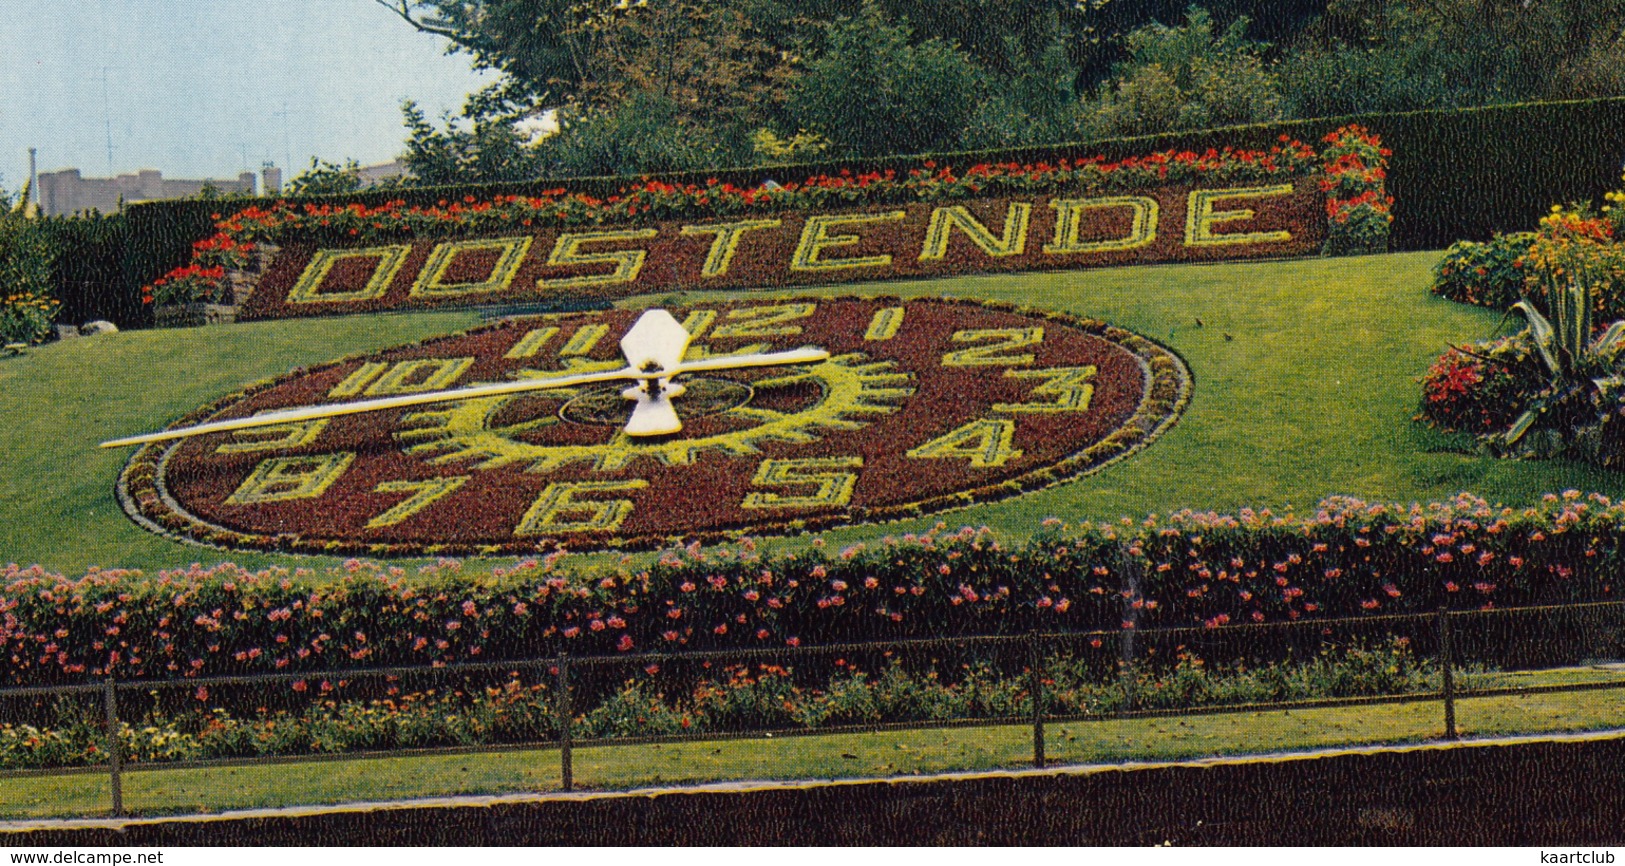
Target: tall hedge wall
{"points": [[1455, 174]]}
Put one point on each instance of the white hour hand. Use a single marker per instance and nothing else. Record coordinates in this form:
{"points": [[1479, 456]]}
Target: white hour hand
{"points": [[653, 415]]}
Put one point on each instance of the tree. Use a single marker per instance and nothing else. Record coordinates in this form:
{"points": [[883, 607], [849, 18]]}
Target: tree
{"points": [[325, 178], [1384, 55], [1035, 104], [709, 57], [1186, 77], [477, 151], [873, 92], [541, 47]]}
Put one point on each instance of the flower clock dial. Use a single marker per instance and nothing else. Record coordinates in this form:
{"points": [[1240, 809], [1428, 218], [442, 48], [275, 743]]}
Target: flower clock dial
{"points": [[620, 429]]}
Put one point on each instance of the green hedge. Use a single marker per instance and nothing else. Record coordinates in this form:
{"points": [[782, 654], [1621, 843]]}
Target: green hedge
{"points": [[90, 278], [1455, 174], [1345, 558]]}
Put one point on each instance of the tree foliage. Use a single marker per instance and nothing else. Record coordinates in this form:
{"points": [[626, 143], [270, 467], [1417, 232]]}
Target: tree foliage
{"points": [[874, 91], [645, 85]]}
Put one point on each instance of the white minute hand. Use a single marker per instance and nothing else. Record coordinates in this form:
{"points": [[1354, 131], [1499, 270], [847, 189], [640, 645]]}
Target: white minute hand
{"points": [[329, 410]]}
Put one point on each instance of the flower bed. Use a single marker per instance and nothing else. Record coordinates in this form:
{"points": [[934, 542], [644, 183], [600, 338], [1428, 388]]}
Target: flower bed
{"points": [[26, 317], [1167, 206], [734, 699], [1345, 558], [1553, 389], [1488, 274], [1357, 202]]}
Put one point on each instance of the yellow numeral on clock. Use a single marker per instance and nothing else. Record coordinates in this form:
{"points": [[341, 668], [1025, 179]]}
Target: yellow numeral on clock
{"points": [[531, 343], [406, 377], [986, 443], [1069, 386], [764, 321], [279, 479], [885, 324], [557, 509], [833, 487], [424, 493], [1003, 340]]}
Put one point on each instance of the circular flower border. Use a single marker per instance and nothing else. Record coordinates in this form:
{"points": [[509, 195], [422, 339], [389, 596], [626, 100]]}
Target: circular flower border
{"points": [[1167, 388]]}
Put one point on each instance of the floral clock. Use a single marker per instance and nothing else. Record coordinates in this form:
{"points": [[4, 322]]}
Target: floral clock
{"points": [[907, 407]]}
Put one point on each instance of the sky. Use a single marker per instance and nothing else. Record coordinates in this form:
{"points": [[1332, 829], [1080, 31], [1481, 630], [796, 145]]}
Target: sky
{"points": [[211, 88]]}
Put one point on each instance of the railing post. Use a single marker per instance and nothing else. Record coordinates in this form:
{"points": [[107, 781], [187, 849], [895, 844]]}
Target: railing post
{"points": [[115, 758], [1131, 617], [1035, 667], [1447, 664], [566, 767]]}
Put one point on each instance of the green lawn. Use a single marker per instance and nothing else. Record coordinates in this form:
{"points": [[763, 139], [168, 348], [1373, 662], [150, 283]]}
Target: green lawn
{"points": [[1304, 387], [871, 755]]}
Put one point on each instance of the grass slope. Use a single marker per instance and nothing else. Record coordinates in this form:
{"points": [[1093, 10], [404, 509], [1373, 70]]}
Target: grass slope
{"points": [[1304, 387]]}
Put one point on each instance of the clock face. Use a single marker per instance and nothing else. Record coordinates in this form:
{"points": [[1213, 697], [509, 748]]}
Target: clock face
{"points": [[922, 405]]}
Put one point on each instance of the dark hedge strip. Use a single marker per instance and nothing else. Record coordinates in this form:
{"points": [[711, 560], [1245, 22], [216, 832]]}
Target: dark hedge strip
{"points": [[1348, 557]]}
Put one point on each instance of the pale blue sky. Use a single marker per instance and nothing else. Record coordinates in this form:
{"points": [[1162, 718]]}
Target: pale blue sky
{"points": [[196, 88]]}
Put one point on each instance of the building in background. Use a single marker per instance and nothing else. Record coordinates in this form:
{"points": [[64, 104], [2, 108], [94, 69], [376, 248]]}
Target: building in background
{"points": [[270, 179], [374, 174], [67, 192]]}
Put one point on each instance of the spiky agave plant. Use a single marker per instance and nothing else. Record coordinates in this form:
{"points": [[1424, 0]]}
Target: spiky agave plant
{"points": [[1572, 358]]}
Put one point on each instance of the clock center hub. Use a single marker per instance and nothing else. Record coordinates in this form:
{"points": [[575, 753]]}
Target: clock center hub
{"points": [[605, 407]]}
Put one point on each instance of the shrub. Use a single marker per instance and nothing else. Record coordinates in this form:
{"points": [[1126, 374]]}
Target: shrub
{"points": [[27, 267], [1576, 243], [1186, 77], [647, 134], [872, 91], [26, 318], [491, 151], [1481, 388], [1574, 275], [325, 178], [1343, 80], [1148, 100], [89, 275], [1345, 558], [1036, 104], [1357, 202], [741, 702], [190, 284], [1488, 274]]}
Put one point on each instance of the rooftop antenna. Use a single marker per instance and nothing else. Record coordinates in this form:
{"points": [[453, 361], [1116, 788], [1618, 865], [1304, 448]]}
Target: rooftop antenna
{"points": [[287, 150], [107, 116]]}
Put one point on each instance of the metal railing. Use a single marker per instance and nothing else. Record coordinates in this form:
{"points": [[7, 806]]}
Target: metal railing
{"points": [[1035, 650]]}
